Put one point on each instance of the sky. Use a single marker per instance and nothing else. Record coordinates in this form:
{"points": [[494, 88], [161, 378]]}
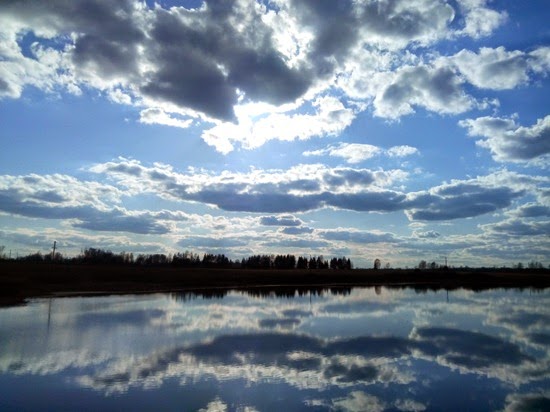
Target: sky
{"points": [[402, 130]]}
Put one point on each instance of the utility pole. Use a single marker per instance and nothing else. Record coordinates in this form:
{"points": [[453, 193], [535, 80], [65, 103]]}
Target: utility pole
{"points": [[53, 251]]}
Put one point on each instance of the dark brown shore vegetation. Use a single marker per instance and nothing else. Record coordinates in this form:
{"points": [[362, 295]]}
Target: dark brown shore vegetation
{"points": [[100, 272]]}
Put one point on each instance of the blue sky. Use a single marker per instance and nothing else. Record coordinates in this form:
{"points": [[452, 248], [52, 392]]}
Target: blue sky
{"points": [[399, 130]]}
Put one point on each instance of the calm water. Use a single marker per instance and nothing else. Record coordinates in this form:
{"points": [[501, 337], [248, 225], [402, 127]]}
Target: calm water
{"points": [[352, 350]]}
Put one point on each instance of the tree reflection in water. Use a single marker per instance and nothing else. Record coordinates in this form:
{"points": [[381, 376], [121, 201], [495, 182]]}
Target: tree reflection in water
{"points": [[290, 348]]}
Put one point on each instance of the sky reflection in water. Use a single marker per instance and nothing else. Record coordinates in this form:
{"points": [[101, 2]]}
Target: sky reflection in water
{"points": [[352, 350]]}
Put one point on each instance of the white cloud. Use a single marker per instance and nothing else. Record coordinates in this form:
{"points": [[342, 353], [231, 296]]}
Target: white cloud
{"points": [[472, 197], [479, 20], [351, 152], [291, 52], [358, 401], [330, 118], [402, 151], [215, 406], [436, 88], [359, 152], [500, 69], [299, 188], [510, 142], [158, 116]]}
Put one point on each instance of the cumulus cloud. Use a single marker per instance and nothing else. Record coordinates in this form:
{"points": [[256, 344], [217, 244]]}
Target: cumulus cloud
{"points": [[358, 152], [527, 402], [89, 205], [211, 242], [402, 151], [357, 236], [429, 234], [299, 188], [297, 230], [178, 64], [468, 198], [479, 20], [330, 117], [70, 240], [435, 88], [173, 56], [159, 116], [518, 227], [282, 220], [500, 69], [310, 187], [532, 210], [358, 401], [510, 142], [351, 152]]}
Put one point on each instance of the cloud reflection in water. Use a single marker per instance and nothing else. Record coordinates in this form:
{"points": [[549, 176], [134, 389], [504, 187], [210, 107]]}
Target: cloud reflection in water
{"points": [[409, 353]]}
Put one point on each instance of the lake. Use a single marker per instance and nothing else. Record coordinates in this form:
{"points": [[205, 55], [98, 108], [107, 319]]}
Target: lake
{"points": [[359, 349]]}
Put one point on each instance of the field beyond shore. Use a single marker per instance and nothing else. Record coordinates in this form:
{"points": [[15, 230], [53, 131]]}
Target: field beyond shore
{"points": [[19, 281]]}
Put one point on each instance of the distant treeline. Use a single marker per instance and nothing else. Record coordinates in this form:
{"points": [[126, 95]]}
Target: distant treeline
{"points": [[194, 260]]}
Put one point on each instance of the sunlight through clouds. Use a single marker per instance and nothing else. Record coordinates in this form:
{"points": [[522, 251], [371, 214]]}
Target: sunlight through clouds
{"points": [[148, 121]]}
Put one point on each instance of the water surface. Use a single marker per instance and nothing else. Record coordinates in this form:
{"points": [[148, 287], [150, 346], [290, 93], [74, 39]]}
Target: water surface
{"points": [[375, 349]]}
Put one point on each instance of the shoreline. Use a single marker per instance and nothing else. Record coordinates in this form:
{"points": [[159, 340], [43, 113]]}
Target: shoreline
{"points": [[21, 281]]}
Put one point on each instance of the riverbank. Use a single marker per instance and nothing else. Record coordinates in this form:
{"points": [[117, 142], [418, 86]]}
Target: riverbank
{"points": [[20, 281]]}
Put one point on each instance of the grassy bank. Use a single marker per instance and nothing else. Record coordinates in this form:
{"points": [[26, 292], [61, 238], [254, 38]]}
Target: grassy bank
{"points": [[24, 280]]}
